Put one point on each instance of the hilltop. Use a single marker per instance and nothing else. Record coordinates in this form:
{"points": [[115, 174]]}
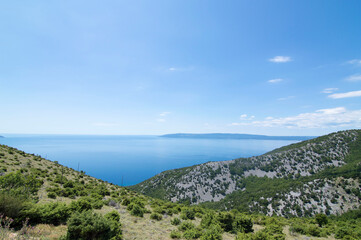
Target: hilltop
{"points": [[233, 136], [321, 175]]}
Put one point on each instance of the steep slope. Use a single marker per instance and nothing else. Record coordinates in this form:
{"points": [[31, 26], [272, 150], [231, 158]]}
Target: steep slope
{"points": [[278, 181]]}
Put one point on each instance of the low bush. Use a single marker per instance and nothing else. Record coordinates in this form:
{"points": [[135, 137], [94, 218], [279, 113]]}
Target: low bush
{"points": [[186, 225], [188, 213], [136, 210], [176, 234], [11, 206], [91, 226], [51, 213], [156, 216], [175, 221], [214, 232], [192, 233]]}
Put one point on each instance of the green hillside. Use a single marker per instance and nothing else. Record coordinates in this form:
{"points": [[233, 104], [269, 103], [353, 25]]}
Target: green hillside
{"points": [[320, 175]]}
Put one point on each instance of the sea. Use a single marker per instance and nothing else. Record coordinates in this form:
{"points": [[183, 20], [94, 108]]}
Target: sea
{"points": [[128, 160]]}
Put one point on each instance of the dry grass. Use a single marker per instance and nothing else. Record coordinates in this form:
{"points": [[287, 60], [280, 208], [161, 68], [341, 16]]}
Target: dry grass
{"points": [[50, 232], [296, 236]]}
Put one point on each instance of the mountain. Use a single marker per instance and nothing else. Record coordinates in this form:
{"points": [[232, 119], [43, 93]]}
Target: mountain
{"points": [[301, 179], [234, 136]]}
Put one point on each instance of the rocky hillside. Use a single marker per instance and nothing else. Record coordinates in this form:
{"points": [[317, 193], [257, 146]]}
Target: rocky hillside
{"points": [[317, 175]]}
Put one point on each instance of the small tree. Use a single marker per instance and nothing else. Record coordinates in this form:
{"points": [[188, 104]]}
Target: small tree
{"points": [[321, 219]]}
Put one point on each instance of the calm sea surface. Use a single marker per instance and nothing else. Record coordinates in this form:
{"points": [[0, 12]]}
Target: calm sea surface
{"points": [[135, 158]]}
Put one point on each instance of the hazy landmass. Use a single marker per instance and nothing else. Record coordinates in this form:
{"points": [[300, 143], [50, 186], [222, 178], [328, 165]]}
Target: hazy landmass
{"points": [[235, 136]]}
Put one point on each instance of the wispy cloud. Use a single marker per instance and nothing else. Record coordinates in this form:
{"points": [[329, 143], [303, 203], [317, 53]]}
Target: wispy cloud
{"points": [[276, 80], [345, 95], [280, 59], [180, 69], [323, 118], [329, 90], [354, 78], [285, 98], [162, 116], [246, 117], [354, 61]]}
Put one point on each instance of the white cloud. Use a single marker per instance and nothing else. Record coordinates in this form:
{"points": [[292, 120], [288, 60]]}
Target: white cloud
{"points": [[354, 78], [355, 61], [163, 114], [345, 95], [276, 80], [329, 90], [280, 59], [180, 69], [246, 117], [337, 110], [285, 98], [323, 118]]}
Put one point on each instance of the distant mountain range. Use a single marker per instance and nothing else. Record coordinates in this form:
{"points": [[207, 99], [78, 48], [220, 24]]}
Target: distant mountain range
{"points": [[235, 136]]}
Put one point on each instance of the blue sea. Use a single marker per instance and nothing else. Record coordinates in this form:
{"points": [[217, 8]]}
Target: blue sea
{"points": [[129, 160]]}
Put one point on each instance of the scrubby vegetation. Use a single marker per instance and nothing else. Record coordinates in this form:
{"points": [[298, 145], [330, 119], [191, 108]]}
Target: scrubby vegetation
{"points": [[40, 199], [321, 175]]}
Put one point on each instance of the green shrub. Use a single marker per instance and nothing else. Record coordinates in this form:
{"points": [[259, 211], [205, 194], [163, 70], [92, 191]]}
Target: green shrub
{"points": [[136, 210], [81, 205], [115, 226], [90, 226], [242, 224], [209, 219], [175, 221], [176, 234], [52, 195], [226, 221], [186, 225], [125, 202], [11, 206], [51, 213], [275, 230], [187, 213], [314, 231], [214, 232], [321, 219], [192, 233], [156, 216]]}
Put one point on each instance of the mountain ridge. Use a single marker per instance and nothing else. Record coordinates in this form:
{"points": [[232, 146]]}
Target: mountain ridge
{"points": [[214, 183]]}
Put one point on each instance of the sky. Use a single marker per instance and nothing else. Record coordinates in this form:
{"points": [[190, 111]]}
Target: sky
{"points": [[282, 67]]}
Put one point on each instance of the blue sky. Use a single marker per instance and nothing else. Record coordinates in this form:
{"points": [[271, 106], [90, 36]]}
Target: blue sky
{"points": [[152, 67]]}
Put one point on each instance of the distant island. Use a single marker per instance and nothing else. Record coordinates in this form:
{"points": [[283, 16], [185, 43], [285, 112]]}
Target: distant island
{"points": [[235, 136]]}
